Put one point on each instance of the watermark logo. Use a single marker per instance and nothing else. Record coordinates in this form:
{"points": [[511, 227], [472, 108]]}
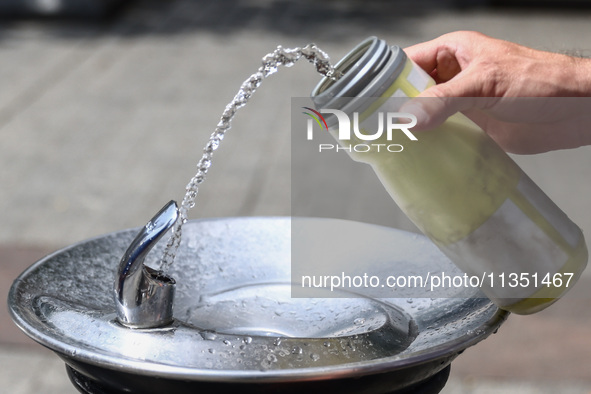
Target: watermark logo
{"points": [[387, 124], [317, 116]]}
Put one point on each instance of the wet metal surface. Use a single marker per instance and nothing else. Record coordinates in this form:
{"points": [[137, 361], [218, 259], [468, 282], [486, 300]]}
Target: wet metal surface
{"points": [[234, 318]]}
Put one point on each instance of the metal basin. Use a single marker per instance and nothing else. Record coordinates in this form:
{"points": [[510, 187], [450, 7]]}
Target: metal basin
{"points": [[236, 326]]}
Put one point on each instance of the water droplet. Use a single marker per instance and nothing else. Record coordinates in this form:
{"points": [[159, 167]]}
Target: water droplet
{"points": [[212, 145], [359, 321], [277, 341], [314, 357], [208, 336], [296, 350], [227, 342], [212, 351], [247, 340]]}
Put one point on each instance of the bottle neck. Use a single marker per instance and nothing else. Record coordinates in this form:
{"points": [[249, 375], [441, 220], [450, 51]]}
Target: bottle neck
{"points": [[366, 72]]}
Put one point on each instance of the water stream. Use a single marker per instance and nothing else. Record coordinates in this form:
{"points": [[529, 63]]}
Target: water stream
{"points": [[270, 63]]}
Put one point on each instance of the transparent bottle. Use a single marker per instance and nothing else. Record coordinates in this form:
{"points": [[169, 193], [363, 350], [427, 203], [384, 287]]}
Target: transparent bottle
{"points": [[458, 186]]}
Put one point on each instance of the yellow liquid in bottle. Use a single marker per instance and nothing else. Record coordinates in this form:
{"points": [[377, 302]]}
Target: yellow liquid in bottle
{"points": [[462, 190]]}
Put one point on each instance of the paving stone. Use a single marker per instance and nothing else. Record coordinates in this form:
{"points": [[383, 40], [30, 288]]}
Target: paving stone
{"points": [[101, 124]]}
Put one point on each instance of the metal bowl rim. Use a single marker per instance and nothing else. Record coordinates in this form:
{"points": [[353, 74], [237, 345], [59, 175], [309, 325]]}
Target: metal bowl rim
{"points": [[360, 368]]}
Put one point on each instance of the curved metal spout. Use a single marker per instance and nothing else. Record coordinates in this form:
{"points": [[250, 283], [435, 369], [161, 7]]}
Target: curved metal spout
{"points": [[144, 296]]}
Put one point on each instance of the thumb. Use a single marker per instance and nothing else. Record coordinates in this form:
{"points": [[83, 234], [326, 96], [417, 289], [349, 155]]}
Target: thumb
{"points": [[437, 103]]}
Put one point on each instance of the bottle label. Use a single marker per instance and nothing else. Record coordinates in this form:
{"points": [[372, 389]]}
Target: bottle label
{"points": [[418, 78]]}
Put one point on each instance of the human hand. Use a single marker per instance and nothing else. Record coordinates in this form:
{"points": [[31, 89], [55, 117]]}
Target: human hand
{"points": [[481, 76]]}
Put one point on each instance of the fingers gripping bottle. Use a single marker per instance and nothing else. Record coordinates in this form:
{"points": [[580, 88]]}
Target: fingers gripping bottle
{"points": [[457, 185]]}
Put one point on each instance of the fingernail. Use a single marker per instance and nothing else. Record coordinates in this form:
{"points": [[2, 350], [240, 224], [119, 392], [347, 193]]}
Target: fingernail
{"points": [[418, 110]]}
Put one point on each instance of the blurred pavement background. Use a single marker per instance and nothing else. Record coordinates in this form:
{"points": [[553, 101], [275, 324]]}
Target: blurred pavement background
{"points": [[102, 122]]}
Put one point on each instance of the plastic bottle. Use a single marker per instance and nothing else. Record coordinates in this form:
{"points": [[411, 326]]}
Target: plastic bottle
{"points": [[458, 186]]}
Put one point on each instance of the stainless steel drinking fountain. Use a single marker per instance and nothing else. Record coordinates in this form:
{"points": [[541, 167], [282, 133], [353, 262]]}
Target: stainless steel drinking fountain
{"points": [[143, 295], [231, 323]]}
